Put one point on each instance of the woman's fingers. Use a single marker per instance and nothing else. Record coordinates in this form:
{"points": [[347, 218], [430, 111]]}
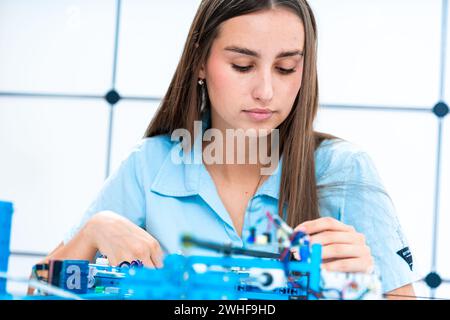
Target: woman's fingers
{"points": [[339, 251], [148, 262], [149, 250], [144, 248], [323, 224], [329, 237], [116, 260], [145, 258], [295, 253], [349, 265], [343, 248], [156, 254], [122, 240]]}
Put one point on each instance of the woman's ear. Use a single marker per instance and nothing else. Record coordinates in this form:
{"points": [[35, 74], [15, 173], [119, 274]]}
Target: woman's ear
{"points": [[202, 72]]}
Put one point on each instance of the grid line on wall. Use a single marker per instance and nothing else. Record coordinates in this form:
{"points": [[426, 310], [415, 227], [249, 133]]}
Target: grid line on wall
{"points": [[443, 57], [437, 188]]}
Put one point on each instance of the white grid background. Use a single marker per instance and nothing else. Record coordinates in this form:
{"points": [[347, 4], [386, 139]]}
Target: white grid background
{"points": [[382, 69]]}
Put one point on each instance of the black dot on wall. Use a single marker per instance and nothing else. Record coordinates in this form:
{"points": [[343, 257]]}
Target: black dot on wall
{"points": [[441, 109], [433, 280], [112, 97]]}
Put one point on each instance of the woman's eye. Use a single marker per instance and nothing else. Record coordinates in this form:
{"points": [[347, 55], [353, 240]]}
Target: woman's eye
{"points": [[244, 69], [286, 71]]}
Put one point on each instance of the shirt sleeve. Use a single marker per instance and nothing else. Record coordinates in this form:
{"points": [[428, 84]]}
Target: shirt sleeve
{"points": [[368, 208], [121, 193]]}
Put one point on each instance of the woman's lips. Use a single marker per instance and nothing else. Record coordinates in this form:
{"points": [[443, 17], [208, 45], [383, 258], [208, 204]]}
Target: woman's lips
{"points": [[259, 114]]}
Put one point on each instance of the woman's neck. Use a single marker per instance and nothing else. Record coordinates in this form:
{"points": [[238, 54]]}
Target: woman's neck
{"points": [[237, 160]]}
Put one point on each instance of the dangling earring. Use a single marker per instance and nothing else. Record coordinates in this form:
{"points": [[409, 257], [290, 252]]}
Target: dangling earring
{"points": [[201, 82]]}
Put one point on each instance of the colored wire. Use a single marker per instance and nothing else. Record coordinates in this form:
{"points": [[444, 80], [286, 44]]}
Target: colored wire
{"points": [[416, 297], [226, 249], [58, 292]]}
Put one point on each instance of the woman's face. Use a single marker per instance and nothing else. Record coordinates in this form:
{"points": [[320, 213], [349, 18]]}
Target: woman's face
{"points": [[254, 70]]}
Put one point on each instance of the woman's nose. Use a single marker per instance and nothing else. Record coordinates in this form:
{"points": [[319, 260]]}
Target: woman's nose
{"points": [[263, 90]]}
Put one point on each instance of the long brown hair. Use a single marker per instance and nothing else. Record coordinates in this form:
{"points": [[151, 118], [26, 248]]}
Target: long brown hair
{"points": [[181, 104]]}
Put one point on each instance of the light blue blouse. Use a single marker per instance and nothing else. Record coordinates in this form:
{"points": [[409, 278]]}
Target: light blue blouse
{"points": [[168, 200]]}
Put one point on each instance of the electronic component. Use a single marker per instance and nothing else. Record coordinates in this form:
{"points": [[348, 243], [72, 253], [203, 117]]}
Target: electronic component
{"points": [[248, 272], [6, 212]]}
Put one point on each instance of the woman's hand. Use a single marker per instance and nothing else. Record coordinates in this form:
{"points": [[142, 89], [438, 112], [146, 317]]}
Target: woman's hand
{"points": [[121, 240], [343, 249]]}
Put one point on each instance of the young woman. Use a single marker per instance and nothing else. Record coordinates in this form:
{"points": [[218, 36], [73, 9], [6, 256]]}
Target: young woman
{"points": [[247, 64]]}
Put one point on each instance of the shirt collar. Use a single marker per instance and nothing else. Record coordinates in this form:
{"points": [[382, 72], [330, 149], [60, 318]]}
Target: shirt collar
{"points": [[182, 180], [178, 179], [186, 179]]}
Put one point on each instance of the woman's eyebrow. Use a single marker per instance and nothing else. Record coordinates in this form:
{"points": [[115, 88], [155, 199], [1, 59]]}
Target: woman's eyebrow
{"points": [[255, 54]]}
